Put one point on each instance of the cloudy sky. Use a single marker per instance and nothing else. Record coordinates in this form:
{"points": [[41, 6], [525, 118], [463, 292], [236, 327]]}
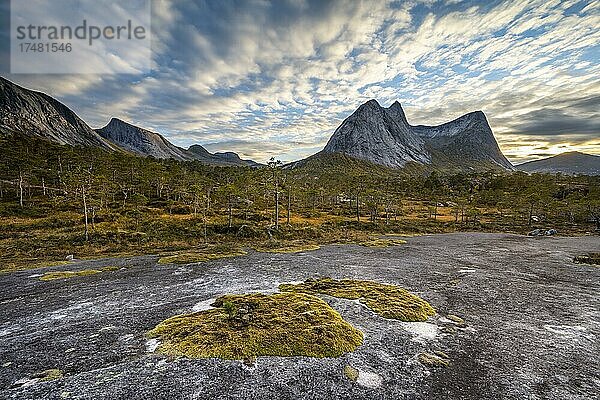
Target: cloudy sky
{"points": [[276, 78]]}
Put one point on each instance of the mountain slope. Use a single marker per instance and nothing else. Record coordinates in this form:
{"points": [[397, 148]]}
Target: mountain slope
{"points": [[141, 141], [378, 135], [234, 158], [146, 143], [225, 158], [571, 163], [24, 111], [384, 136]]}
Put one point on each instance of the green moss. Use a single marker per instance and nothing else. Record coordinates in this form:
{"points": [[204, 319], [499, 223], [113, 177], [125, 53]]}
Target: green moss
{"points": [[275, 246], [382, 243], [205, 253], [351, 373], [430, 360], [281, 324], [456, 319], [50, 375], [441, 354], [590, 258], [50, 276], [110, 268], [389, 301]]}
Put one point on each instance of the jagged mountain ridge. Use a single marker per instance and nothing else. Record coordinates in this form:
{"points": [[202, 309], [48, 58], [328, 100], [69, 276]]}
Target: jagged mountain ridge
{"points": [[570, 163], [146, 143], [24, 111], [384, 136], [28, 112], [224, 158]]}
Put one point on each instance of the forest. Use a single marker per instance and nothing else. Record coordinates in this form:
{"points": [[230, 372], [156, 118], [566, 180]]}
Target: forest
{"points": [[57, 201]]}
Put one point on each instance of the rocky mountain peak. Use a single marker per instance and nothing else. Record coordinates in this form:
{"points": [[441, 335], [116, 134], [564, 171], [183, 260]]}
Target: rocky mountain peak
{"points": [[397, 113], [384, 136], [141, 141]]}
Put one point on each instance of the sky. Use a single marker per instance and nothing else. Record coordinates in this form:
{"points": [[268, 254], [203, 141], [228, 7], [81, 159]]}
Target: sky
{"points": [[276, 78]]}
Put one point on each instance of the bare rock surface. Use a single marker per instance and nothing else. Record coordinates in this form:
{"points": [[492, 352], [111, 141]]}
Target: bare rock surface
{"points": [[25, 111], [516, 319], [384, 136]]}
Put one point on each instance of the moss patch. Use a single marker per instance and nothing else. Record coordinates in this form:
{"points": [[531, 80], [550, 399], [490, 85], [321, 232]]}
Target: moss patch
{"points": [[276, 246], [49, 375], [351, 373], [50, 276], [431, 360], [382, 243], [590, 258], [389, 301], [251, 325], [456, 319], [205, 253]]}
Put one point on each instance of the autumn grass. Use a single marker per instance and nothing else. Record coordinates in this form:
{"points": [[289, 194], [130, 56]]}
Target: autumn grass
{"points": [[203, 254], [382, 243], [247, 326], [276, 246], [8, 267], [54, 275], [389, 301]]}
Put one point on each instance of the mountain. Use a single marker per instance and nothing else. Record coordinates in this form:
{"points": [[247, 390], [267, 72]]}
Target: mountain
{"points": [[145, 143], [384, 136], [234, 158], [141, 141], [571, 163], [24, 111], [226, 158], [27, 112]]}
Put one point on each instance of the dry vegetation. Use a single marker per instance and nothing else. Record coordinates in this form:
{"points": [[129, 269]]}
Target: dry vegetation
{"points": [[58, 200], [590, 258]]}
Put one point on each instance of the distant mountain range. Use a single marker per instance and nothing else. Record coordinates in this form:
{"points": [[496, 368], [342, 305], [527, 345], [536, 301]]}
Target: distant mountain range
{"points": [[570, 163], [24, 111], [383, 136], [380, 136], [146, 143]]}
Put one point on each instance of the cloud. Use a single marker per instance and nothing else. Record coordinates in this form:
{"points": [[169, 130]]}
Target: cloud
{"points": [[278, 77]]}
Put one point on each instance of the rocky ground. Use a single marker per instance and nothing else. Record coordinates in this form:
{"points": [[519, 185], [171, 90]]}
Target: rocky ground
{"points": [[532, 324]]}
